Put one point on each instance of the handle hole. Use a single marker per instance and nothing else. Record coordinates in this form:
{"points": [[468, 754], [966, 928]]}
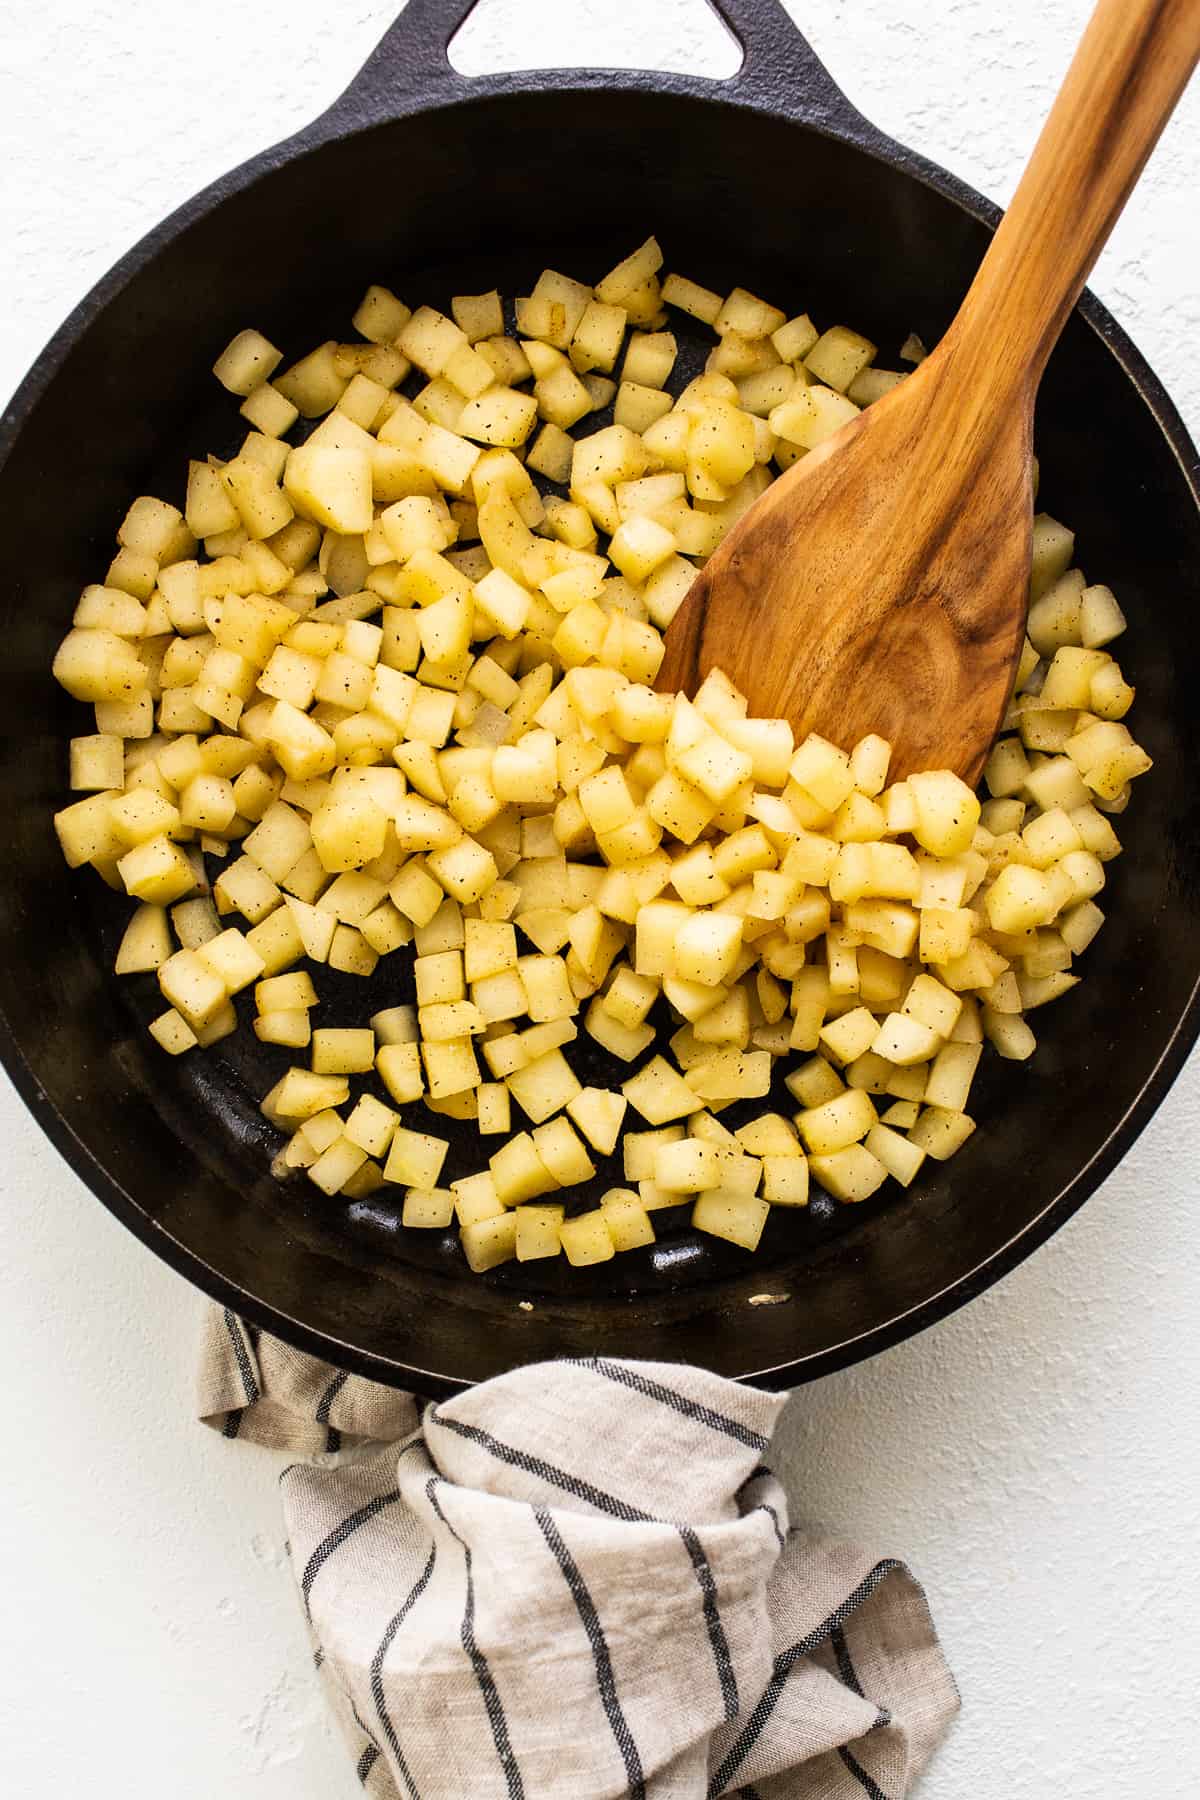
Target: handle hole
{"points": [[680, 36]]}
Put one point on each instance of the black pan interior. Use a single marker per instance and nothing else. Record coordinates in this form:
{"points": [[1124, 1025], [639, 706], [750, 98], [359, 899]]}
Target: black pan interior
{"points": [[450, 202]]}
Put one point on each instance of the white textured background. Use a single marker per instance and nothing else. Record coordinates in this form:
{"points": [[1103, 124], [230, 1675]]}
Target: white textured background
{"points": [[1036, 1458]]}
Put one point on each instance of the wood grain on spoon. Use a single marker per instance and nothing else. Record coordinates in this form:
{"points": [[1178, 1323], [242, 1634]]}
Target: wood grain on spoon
{"points": [[881, 583]]}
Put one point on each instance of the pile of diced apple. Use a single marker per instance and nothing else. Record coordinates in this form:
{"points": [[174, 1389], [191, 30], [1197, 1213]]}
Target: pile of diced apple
{"points": [[414, 686]]}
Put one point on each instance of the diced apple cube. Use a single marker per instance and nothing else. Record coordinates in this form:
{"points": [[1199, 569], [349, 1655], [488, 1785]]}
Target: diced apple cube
{"points": [[706, 947], [371, 1125], [947, 812], [731, 1074], [628, 1222], [905, 1040], [156, 871], [837, 1122], [950, 1076], [688, 1166], [587, 1239], [193, 989], [941, 1133], [849, 1036], [427, 1209], [851, 1175], [785, 1180], [659, 1093], [838, 356], [233, 959], [519, 1172], [490, 1242], [415, 1158], [331, 486], [538, 1231], [738, 1218], [544, 1086], [475, 1198], [346, 1050], [933, 1004], [563, 1153], [173, 1033]]}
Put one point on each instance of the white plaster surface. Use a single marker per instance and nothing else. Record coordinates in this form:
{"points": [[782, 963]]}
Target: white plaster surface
{"points": [[1036, 1458]]}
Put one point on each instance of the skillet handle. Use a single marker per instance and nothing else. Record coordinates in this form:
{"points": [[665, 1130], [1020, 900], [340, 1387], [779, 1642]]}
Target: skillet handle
{"points": [[779, 67], [410, 58]]}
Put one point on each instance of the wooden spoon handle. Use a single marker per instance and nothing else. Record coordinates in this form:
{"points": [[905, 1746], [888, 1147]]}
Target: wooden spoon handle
{"points": [[1130, 68]]}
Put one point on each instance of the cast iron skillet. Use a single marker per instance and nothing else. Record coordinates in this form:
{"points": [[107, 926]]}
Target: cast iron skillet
{"points": [[435, 183]]}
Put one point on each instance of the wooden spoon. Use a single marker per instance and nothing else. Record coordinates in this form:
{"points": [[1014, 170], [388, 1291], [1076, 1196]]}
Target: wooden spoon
{"points": [[881, 584]]}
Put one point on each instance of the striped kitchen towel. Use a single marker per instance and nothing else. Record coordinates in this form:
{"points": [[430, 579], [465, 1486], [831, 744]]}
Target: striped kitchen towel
{"points": [[577, 1582]]}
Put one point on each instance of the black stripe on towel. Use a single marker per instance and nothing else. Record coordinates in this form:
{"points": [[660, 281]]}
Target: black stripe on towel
{"points": [[632, 1515], [849, 1675], [233, 1422], [337, 1537], [250, 1387], [605, 1679], [765, 1506], [680, 1403], [712, 1621], [784, 1664], [377, 1662], [366, 1763], [327, 1399], [846, 1669], [762, 1473], [483, 1675], [361, 1723], [544, 1471], [869, 1787], [333, 1441]]}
